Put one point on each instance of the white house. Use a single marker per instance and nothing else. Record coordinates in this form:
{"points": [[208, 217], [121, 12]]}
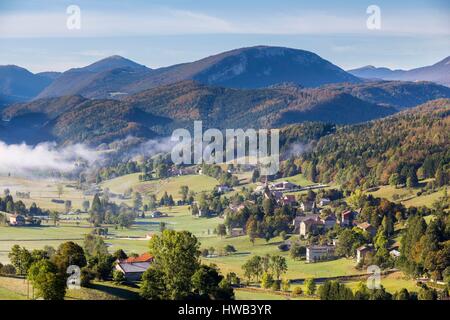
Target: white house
{"points": [[361, 253], [319, 253], [324, 202]]}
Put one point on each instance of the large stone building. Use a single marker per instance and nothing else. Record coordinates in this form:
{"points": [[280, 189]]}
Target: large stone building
{"points": [[319, 253]]}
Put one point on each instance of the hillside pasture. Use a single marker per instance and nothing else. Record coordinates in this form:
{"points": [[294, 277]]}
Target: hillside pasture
{"points": [[196, 183]]}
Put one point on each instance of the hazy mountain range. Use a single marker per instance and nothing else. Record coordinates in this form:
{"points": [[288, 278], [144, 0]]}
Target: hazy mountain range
{"points": [[254, 67], [438, 72], [249, 87]]}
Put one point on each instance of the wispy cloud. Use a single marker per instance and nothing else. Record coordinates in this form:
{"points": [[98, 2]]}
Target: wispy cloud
{"points": [[165, 21]]}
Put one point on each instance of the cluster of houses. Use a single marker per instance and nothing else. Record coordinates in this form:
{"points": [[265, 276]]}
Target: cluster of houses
{"points": [[158, 214], [223, 188], [174, 171], [18, 220]]}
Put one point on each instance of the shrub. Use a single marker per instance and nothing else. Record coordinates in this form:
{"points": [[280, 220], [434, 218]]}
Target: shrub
{"points": [[87, 275], [297, 291], [285, 285], [266, 280], [276, 285], [118, 276], [8, 269]]}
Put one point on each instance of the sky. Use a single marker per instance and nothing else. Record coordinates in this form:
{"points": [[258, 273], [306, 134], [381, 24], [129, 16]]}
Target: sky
{"points": [[34, 33]]}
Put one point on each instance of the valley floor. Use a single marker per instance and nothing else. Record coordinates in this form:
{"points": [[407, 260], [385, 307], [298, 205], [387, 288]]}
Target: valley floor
{"points": [[133, 240]]}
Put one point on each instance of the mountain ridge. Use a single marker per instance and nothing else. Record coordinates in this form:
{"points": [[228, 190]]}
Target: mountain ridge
{"points": [[438, 72]]}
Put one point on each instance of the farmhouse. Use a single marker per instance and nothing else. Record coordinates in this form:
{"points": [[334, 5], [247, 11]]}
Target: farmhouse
{"points": [[319, 253], [329, 221], [237, 232], [236, 208], [362, 252], [283, 186], [16, 220], [156, 214], [347, 218], [134, 268], [324, 202], [368, 228], [304, 224], [288, 200], [308, 206], [223, 188]]}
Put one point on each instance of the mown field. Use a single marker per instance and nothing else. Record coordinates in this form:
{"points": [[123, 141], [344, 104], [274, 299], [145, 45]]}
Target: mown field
{"points": [[408, 197], [42, 191], [20, 289], [196, 183]]}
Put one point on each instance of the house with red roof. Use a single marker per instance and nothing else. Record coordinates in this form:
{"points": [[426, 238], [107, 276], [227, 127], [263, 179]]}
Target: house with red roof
{"points": [[134, 267]]}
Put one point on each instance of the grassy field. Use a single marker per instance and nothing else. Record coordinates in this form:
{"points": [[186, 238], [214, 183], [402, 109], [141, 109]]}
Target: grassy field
{"points": [[408, 196], [179, 218], [133, 240], [196, 183], [392, 283], [42, 191], [18, 289], [244, 294], [298, 179]]}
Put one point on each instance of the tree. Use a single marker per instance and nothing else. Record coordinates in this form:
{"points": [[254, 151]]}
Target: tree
{"points": [[440, 177], [47, 281], [94, 246], [394, 179], [207, 281], [297, 251], [333, 290], [266, 280], [137, 201], [184, 191], [54, 216], [252, 229], [349, 240], [120, 255], [20, 258], [68, 206], [310, 285], [229, 249], [97, 210], [69, 253], [153, 285], [278, 266], [285, 285], [403, 294], [118, 276], [221, 230], [59, 190], [86, 205], [176, 259], [255, 175], [426, 293], [253, 268]]}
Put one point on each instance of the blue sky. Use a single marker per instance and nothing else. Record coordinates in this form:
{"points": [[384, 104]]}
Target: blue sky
{"points": [[33, 33]]}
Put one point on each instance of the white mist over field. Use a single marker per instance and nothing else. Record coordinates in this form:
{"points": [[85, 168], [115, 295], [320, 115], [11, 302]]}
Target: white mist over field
{"points": [[26, 159]]}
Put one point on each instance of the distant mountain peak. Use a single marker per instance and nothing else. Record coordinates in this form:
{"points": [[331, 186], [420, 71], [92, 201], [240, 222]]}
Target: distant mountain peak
{"points": [[110, 63]]}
